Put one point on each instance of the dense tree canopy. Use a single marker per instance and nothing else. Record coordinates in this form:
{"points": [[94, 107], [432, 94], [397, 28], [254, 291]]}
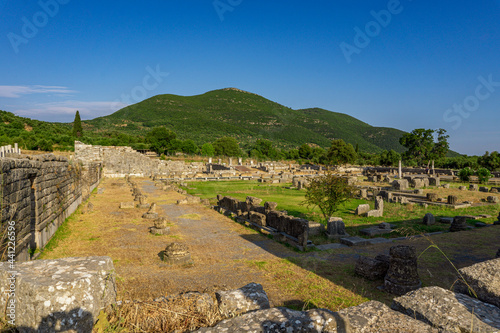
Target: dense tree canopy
{"points": [[160, 138], [227, 146], [341, 153], [422, 147]]}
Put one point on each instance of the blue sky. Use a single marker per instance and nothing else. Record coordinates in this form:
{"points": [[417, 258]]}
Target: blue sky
{"points": [[403, 64]]}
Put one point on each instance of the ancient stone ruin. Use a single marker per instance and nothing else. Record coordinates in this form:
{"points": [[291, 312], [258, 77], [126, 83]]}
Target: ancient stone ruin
{"points": [[402, 275], [176, 253]]}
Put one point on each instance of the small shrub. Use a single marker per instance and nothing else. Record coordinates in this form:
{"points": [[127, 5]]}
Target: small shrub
{"points": [[465, 174], [484, 175]]}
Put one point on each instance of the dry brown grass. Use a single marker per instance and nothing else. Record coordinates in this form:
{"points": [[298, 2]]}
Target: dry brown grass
{"points": [[183, 313]]}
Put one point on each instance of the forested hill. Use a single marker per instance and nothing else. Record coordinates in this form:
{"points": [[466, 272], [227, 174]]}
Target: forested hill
{"points": [[246, 117]]}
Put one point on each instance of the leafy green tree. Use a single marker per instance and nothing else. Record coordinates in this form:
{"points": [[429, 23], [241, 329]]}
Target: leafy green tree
{"points": [[265, 149], [77, 125], [341, 153], [159, 139], [328, 192], [421, 146], [189, 147], [227, 146], [483, 175], [389, 158], [305, 151], [175, 146], [207, 149], [490, 161]]}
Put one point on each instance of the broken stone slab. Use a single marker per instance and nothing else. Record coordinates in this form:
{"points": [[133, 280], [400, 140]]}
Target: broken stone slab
{"points": [[449, 311], [374, 213], [248, 298], [126, 205], [331, 246], [493, 199], [69, 292], [278, 320], [159, 231], [473, 187], [484, 279], [446, 220], [372, 268], [484, 189], [375, 231], [362, 209], [374, 316], [402, 275], [176, 253], [354, 241]]}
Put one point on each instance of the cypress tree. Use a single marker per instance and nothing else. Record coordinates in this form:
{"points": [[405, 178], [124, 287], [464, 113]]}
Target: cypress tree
{"points": [[77, 125]]}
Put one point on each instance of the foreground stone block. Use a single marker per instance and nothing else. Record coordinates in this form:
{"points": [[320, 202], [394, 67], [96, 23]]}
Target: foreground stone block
{"points": [[484, 279], [257, 218], [449, 311], [59, 295], [248, 298]]}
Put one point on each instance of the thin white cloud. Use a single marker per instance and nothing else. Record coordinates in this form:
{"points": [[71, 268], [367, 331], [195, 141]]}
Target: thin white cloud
{"points": [[19, 91], [88, 110]]}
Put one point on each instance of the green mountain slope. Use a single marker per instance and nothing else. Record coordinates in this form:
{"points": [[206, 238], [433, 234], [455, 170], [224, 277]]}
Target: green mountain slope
{"points": [[247, 117]]}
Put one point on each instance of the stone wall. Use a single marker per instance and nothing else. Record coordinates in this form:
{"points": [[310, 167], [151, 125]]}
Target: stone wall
{"points": [[37, 194]]}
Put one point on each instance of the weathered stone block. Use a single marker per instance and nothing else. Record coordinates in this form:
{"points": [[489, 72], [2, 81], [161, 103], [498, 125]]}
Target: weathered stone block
{"points": [[493, 199], [484, 279], [459, 223], [473, 187], [484, 189], [372, 269], [362, 209], [257, 218], [448, 311], [452, 199], [432, 197], [402, 275], [68, 292], [176, 253], [336, 228], [248, 298], [429, 219], [374, 213]]}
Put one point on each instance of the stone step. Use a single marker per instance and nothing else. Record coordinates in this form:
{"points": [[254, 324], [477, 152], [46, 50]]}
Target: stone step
{"points": [[449, 311]]}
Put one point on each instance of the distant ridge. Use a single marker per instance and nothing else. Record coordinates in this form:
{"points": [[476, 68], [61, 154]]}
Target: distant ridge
{"points": [[247, 117]]}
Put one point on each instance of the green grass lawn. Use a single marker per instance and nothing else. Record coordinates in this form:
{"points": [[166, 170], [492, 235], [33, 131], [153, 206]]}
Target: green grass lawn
{"points": [[406, 218]]}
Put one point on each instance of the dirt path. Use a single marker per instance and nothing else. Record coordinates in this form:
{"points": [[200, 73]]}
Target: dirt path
{"points": [[227, 255]]}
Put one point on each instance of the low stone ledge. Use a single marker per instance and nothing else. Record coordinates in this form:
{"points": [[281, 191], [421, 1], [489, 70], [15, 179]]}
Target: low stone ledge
{"points": [[449, 311], [59, 295]]}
